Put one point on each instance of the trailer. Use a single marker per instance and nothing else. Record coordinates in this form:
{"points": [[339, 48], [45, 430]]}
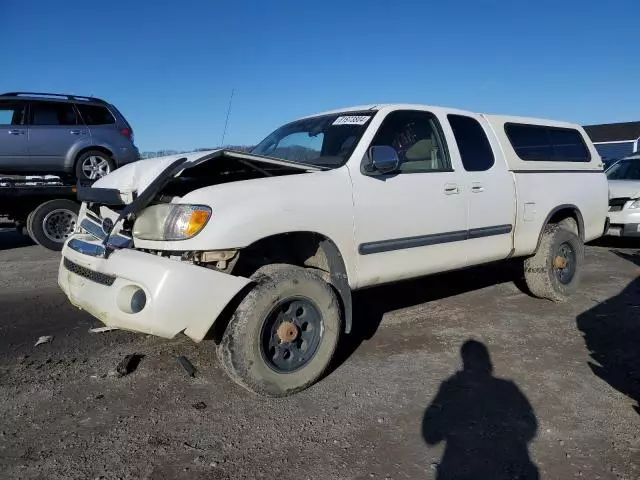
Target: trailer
{"points": [[45, 207]]}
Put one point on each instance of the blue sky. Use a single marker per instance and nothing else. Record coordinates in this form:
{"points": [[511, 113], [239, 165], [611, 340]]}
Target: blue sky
{"points": [[170, 66]]}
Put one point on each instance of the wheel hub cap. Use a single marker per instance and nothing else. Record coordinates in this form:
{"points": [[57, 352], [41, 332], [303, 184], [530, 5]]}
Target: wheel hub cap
{"points": [[560, 262], [291, 334], [287, 332], [564, 263], [95, 167], [59, 225]]}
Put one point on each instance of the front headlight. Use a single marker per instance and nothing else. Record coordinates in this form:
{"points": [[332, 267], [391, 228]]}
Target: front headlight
{"points": [[169, 221], [635, 204]]}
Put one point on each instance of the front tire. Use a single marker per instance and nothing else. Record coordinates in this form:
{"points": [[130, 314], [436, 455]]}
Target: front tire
{"points": [[283, 334], [555, 270]]}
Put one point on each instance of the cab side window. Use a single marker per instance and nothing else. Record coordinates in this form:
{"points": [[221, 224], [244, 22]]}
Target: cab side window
{"points": [[417, 138], [474, 146]]}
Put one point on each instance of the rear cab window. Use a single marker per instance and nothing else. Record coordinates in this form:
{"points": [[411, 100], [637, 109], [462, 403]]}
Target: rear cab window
{"points": [[93, 115], [475, 150], [542, 143]]}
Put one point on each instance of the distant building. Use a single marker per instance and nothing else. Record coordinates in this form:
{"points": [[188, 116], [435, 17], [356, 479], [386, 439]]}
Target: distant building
{"points": [[615, 140]]}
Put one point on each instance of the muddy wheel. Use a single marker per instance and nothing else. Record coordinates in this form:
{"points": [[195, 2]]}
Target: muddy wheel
{"points": [[569, 224], [53, 222], [283, 334], [554, 271]]}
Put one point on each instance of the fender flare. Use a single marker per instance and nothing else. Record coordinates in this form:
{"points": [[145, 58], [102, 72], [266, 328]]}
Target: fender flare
{"points": [[86, 144], [339, 280], [579, 218]]}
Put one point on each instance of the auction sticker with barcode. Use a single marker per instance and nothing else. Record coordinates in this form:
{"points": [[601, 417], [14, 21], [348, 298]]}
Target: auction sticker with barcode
{"points": [[352, 120]]}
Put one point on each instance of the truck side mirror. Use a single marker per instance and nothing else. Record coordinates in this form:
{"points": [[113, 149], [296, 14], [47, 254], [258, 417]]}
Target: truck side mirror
{"points": [[382, 159]]}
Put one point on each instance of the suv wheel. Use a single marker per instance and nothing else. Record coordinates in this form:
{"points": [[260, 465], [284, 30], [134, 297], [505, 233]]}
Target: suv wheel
{"points": [[93, 165]]}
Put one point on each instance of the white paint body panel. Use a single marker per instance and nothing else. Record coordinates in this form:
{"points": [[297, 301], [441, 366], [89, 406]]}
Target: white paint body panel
{"points": [[247, 211], [545, 192], [491, 200]]}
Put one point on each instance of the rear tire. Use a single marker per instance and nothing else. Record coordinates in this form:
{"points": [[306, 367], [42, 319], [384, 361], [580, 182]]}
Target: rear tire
{"points": [[53, 222], [93, 165], [555, 270], [253, 351]]}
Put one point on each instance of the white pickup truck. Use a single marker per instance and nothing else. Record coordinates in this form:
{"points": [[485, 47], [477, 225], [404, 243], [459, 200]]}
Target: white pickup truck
{"points": [[261, 250]]}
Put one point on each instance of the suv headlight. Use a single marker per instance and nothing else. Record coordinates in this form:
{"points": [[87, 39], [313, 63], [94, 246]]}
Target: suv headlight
{"points": [[635, 204], [171, 221]]}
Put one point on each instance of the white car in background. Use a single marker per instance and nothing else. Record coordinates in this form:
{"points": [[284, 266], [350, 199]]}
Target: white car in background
{"points": [[624, 197]]}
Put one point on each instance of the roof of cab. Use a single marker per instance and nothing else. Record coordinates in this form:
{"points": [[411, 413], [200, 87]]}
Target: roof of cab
{"points": [[494, 118]]}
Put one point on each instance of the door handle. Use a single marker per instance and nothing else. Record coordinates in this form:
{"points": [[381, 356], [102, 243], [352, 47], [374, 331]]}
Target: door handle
{"points": [[451, 188], [14, 131], [477, 188], [78, 132]]}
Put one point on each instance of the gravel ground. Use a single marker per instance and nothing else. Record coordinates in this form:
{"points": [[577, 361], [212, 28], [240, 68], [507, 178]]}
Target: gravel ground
{"points": [[548, 390]]}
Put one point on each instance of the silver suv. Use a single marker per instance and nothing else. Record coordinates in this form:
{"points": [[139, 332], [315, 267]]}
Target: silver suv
{"points": [[82, 137]]}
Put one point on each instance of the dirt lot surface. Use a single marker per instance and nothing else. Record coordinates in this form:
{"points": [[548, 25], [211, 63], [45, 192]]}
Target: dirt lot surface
{"points": [[546, 390]]}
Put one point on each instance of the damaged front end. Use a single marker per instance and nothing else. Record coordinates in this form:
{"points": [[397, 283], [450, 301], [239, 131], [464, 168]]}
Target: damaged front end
{"points": [[162, 290], [113, 205]]}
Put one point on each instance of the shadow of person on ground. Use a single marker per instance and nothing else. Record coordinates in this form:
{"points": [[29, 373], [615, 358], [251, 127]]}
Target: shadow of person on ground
{"points": [[371, 304], [485, 422], [611, 332]]}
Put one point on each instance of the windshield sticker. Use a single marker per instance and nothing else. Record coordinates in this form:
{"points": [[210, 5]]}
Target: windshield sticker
{"points": [[352, 120]]}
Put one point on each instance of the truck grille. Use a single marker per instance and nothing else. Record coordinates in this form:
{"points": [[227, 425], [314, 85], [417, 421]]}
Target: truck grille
{"points": [[616, 204], [96, 277]]}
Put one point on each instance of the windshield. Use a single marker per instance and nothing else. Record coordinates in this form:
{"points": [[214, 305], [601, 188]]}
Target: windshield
{"points": [[625, 170], [325, 141]]}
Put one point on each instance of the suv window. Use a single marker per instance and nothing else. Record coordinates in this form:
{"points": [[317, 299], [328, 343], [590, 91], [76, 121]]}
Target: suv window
{"points": [[12, 113], [547, 144], [52, 113], [474, 146], [417, 138], [95, 115]]}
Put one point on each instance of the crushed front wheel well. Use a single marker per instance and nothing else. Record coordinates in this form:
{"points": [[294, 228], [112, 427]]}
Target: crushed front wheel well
{"points": [[303, 249]]}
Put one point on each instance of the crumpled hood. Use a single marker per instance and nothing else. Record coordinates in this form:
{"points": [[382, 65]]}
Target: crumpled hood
{"points": [[136, 176], [624, 188]]}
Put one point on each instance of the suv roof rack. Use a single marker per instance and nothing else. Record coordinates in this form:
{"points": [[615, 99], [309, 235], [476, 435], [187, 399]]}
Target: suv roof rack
{"points": [[56, 95]]}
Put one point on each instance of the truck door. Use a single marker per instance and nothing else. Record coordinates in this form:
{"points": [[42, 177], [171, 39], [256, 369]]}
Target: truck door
{"points": [[491, 199], [412, 221], [53, 129], [14, 136]]}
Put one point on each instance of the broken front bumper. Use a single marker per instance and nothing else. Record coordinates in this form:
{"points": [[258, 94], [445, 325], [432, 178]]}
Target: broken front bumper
{"points": [[142, 292]]}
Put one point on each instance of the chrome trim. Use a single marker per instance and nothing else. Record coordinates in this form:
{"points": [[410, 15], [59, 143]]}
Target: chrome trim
{"points": [[86, 248], [95, 230], [92, 228]]}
